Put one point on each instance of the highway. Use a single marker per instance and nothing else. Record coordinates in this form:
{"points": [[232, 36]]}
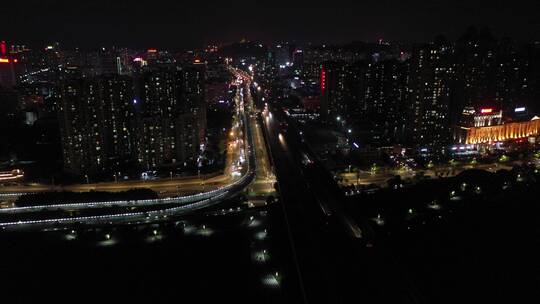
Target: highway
{"points": [[244, 166], [141, 217], [332, 248], [265, 177], [165, 187]]}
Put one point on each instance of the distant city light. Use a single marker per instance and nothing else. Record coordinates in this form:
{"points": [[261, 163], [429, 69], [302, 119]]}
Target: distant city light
{"points": [[486, 111], [521, 109], [134, 101]]}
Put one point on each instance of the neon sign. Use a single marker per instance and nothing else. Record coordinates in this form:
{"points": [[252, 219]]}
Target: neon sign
{"points": [[486, 111], [323, 79]]}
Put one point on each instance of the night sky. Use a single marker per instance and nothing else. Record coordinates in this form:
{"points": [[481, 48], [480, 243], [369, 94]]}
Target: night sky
{"points": [[160, 23]]}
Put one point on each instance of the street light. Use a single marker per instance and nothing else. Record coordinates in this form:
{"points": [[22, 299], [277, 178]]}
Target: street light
{"points": [[87, 180]]}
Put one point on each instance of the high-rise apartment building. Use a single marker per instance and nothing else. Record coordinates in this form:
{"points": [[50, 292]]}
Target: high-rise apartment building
{"points": [[95, 117]]}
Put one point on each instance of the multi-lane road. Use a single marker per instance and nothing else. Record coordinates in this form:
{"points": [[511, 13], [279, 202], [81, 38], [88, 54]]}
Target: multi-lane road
{"points": [[238, 175], [331, 247], [165, 187]]}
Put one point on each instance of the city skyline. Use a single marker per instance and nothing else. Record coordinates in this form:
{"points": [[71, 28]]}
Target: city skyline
{"points": [[118, 106]]}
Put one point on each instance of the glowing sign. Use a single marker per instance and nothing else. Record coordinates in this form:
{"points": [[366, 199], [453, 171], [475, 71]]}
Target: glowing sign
{"points": [[4, 60], [152, 51], [486, 111], [323, 79], [519, 110], [138, 59], [3, 47]]}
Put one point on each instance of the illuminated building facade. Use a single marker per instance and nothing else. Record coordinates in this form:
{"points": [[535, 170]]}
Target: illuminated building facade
{"points": [[172, 116], [95, 116], [385, 98], [191, 84], [158, 105], [333, 90], [504, 132], [431, 77], [8, 77], [476, 118], [487, 117]]}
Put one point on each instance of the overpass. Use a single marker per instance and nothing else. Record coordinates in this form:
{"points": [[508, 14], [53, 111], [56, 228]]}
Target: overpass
{"points": [[185, 203]]}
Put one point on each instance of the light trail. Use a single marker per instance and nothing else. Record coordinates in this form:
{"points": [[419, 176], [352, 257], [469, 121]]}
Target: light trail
{"points": [[189, 203]]}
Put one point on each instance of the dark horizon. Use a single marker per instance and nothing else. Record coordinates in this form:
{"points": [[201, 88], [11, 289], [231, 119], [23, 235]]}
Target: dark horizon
{"points": [[169, 24]]}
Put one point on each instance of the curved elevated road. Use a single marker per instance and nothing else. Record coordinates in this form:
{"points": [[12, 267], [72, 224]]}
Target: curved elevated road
{"points": [[186, 203]]}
